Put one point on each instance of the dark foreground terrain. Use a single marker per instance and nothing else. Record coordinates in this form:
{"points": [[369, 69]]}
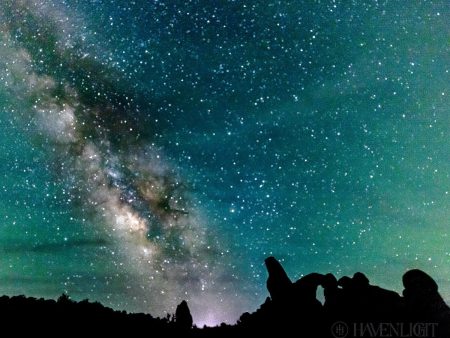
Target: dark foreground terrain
{"points": [[352, 308]]}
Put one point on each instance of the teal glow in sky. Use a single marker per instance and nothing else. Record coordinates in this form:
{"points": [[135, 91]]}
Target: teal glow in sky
{"points": [[158, 151]]}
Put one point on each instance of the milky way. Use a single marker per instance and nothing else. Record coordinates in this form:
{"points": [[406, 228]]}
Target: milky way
{"points": [[159, 151], [109, 171]]}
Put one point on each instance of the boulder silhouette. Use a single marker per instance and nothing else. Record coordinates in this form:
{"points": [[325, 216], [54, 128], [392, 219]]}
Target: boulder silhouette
{"points": [[423, 301], [360, 280], [418, 284], [421, 294], [345, 282], [183, 317]]}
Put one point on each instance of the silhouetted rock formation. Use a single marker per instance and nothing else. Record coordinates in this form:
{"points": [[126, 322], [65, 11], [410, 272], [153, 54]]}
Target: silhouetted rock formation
{"points": [[304, 291], [278, 283], [364, 309], [421, 293], [183, 317], [352, 305], [423, 301], [334, 296], [358, 300]]}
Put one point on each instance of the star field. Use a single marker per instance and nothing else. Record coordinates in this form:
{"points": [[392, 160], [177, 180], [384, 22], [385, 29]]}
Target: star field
{"points": [[158, 151]]}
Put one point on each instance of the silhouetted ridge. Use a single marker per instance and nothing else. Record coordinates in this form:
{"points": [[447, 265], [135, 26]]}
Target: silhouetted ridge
{"points": [[50, 316], [352, 308]]}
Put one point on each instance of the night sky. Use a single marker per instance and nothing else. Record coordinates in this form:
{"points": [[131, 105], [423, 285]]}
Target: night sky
{"points": [[153, 151]]}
